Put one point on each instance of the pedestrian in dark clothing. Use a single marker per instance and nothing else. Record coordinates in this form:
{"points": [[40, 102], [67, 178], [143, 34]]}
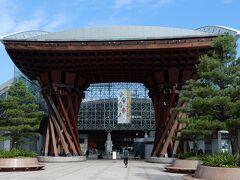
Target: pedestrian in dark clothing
{"points": [[125, 157], [87, 153], [200, 152]]}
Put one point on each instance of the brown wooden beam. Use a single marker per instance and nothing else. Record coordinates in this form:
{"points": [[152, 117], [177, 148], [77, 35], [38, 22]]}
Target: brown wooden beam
{"points": [[58, 129], [127, 45], [54, 143], [73, 116], [171, 133], [62, 125], [164, 129], [169, 138], [176, 143], [46, 141], [70, 126], [158, 107]]}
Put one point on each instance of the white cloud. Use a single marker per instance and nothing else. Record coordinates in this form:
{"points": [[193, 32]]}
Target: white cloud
{"points": [[8, 10], [13, 19], [31, 23], [7, 24], [56, 22]]}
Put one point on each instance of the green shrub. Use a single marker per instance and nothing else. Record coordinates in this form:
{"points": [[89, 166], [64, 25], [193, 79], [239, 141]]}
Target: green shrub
{"points": [[214, 160], [221, 160], [185, 155], [198, 157], [16, 153]]}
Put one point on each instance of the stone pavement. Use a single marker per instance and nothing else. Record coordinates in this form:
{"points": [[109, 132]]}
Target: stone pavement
{"points": [[96, 170]]}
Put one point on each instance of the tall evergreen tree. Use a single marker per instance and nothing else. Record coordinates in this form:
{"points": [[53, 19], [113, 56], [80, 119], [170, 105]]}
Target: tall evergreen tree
{"points": [[19, 115], [213, 100]]}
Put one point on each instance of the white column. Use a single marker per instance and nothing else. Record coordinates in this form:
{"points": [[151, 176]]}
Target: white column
{"points": [[108, 144], [145, 135]]}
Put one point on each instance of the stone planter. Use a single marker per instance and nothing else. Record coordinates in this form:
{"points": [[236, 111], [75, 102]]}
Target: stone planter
{"points": [[214, 173], [160, 160], [19, 164], [60, 159], [183, 165]]}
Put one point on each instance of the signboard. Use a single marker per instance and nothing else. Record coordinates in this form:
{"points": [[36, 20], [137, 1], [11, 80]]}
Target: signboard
{"points": [[124, 106], [114, 155]]}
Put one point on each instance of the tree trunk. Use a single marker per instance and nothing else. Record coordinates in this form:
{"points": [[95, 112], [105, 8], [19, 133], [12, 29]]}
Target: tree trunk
{"points": [[15, 141], [234, 141], [13, 145], [194, 146]]}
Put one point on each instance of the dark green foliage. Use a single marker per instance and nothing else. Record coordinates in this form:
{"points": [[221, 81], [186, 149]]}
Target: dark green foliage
{"points": [[16, 153], [213, 100], [198, 157], [221, 160], [19, 114], [186, 155], [215, 160]]}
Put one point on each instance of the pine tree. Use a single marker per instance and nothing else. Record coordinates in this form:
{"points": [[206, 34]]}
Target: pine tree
{"points": [[19, 115], [213, 100]]}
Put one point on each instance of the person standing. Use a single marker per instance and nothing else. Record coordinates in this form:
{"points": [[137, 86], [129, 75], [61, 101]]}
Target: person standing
{"points": [[125, 157], [87, 153]]}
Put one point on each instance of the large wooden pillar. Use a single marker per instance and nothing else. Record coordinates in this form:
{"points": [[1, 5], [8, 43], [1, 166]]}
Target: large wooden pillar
{"points": [[164, 99], [63, 94], [164, 89]]}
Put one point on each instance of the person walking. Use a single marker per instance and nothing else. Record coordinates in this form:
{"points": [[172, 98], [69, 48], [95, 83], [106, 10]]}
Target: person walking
{"points": [[87, 153], [125, 157]]}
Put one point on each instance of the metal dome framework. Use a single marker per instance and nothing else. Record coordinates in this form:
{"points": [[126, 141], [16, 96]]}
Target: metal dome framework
{"points": [[219, 30], [98, 110], [114, 33]]}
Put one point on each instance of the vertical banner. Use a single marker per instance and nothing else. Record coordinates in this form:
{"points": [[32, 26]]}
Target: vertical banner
{"points": [[124, 106]]}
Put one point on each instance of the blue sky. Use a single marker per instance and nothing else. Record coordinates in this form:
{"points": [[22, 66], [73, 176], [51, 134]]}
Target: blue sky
{"points": [[58, 15]]}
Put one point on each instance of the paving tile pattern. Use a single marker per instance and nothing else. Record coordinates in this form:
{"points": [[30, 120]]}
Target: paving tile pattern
{"points": [[96, 170]]}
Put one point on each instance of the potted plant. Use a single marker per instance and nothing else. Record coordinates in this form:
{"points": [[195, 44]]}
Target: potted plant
{"points": [[222, 166], [16, 160]]}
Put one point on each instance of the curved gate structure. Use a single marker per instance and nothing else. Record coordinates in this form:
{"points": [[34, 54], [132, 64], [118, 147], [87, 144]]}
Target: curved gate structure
{"points": [[66, 63]]}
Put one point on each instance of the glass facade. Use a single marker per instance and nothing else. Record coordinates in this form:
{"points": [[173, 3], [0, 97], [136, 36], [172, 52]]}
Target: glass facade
{"points": [[32, 86], [99, 109]]}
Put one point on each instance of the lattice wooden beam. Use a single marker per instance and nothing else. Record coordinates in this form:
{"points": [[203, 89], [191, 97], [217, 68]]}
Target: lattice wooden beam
{"points": [[164, 87], [63, 98], [164, 126], [174, 129], [176, 143]]}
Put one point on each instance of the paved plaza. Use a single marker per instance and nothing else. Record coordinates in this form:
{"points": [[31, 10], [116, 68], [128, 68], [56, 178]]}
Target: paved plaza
{"points": [[96, 170]]}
